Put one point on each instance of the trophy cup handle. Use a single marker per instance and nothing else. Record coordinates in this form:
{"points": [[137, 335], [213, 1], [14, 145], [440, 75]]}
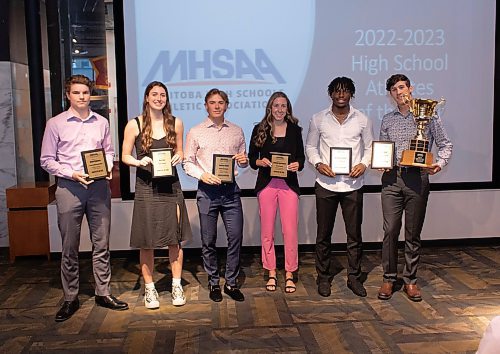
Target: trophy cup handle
{"points": [[440, 107]]}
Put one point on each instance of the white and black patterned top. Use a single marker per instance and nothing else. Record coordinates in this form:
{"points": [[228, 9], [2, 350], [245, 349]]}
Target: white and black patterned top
{"points": [[401, 129]]}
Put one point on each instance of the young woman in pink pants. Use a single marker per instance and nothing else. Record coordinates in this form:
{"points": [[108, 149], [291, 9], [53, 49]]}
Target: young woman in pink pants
{"points": [[278, 132]]}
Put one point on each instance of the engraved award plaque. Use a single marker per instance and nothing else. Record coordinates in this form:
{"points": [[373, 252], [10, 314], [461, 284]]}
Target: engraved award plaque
{"points": [[95, 164], [341, 160], [279, 165], [162, 162], [382, 155], [223, 167]]}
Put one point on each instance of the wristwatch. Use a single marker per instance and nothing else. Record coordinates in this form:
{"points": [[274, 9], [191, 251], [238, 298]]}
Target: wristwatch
{"points": [[317, 164]]}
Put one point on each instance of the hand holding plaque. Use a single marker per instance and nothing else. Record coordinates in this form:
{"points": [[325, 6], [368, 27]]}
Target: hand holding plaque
{"points": [[341, 160], [279, 164], [162, 163], [95, 164], [223, 167]]}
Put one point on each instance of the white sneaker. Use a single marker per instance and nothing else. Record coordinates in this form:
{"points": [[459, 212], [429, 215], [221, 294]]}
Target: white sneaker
{"points": [[178, 298], [151, 299]]}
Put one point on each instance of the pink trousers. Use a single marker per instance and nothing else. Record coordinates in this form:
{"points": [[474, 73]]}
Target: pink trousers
{"points": [[277, 193]]}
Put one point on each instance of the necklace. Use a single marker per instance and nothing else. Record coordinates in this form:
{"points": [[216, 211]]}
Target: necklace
{"points": [[341, 117]]}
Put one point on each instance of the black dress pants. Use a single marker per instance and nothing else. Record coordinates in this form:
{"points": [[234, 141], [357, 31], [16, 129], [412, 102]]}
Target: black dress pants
{"points": [[352, 211]]}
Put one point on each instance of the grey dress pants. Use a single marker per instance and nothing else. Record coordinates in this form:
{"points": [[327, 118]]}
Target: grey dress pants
{"points": [[403, 189], [75, 200]]}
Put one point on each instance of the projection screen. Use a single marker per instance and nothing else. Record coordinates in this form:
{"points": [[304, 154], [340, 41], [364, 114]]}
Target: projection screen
{"points": [[251, 49]]}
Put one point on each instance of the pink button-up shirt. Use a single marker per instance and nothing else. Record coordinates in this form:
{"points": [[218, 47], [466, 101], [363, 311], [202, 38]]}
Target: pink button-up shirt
{"points": [[205, 140], [66, 136]]}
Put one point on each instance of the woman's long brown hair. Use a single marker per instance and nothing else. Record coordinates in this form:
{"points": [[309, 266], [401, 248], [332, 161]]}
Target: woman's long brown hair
{"points": [[168, 120], [266, 125]]}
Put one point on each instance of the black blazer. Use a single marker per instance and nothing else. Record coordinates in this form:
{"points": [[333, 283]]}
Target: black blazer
{"points": [[293, 145]]}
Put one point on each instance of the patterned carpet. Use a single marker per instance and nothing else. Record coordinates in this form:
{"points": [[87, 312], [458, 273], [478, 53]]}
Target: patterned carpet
{"points": [[460, 288]]}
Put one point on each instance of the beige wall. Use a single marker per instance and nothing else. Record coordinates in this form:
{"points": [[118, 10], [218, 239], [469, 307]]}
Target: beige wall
{"points": [[16, 142], [451, 215], [7, 145]]}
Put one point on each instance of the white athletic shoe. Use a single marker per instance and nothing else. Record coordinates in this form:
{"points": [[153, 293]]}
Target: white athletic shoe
{"points": [[178, 298], [151, 299]]}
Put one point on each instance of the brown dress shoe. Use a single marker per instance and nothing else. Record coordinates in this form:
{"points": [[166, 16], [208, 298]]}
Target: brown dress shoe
{"points": [[385, 291], [413, 292]]}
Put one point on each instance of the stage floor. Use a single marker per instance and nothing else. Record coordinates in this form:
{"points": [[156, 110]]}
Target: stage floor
{"points": [[460, 288]]}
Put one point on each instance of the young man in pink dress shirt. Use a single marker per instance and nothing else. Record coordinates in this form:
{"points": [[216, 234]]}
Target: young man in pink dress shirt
{"points": [[216, 135], [66, 136]]}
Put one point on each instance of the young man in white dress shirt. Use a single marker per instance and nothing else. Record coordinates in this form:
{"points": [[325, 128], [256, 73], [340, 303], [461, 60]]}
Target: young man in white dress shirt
{"points": [[339, 126]]}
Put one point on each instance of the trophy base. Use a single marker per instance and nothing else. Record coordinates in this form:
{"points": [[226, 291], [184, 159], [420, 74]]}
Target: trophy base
{"points": [[416, 158]]}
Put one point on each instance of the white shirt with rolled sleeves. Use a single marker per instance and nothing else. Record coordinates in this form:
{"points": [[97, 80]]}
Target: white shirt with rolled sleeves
{"points": [[325, 131]]}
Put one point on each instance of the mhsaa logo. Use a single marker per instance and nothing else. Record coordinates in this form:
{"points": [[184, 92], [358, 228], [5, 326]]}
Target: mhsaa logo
{"points": [[220, 66]]}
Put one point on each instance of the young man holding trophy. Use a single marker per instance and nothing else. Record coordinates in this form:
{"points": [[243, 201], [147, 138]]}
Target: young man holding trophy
{"points": [[413, 127]]}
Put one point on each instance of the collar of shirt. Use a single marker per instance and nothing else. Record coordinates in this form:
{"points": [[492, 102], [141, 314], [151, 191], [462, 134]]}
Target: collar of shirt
{"points": [[210, 123], [398, 112], [72, 115], [349, 115]]}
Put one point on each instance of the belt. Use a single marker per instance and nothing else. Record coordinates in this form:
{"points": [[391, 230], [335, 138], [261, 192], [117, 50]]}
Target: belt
{"points": [[407, 169]]}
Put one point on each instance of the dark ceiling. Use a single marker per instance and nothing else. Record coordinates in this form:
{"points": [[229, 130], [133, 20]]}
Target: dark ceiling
{"points": [[88, 20]]}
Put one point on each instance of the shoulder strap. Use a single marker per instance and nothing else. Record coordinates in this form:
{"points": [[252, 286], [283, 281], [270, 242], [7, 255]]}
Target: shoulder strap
{"points": [[138, 123]]}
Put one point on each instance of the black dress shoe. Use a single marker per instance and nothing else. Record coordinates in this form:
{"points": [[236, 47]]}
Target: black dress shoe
{"points": [[234, 293], [356, 287], [111, 302], [324, 288], [215, 293], [67, 310]]}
